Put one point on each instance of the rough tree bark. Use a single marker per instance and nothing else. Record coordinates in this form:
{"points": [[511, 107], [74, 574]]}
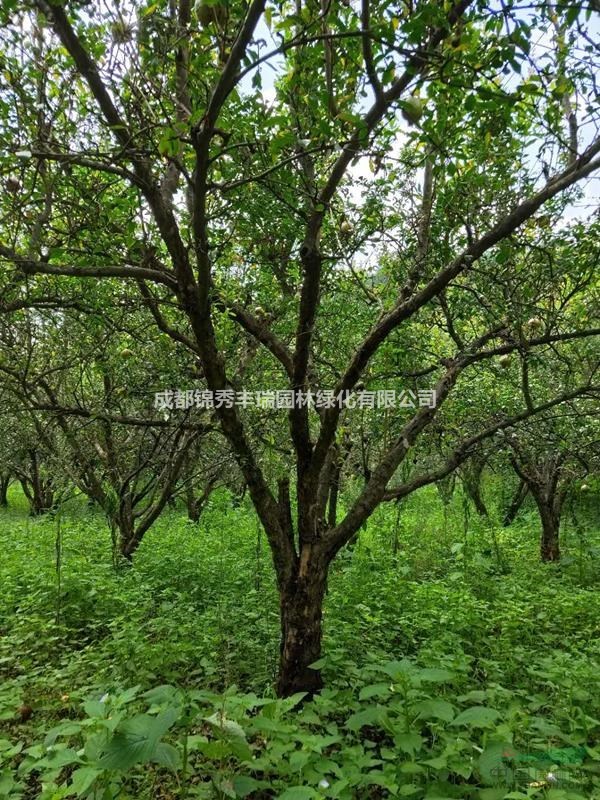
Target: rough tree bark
{"points": [[301, 611], [550, 516]]}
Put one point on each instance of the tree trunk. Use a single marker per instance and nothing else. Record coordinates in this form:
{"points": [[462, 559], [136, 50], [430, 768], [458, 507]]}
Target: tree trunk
{"points": [[471, 478], [39, 496], [474, 492], [543, 479], [4, 484], [195, 505], [549, 545], [479, 504], [38, 490], [128, 540], [191, 505], [129, 543], [301, 610], [515, 504]]}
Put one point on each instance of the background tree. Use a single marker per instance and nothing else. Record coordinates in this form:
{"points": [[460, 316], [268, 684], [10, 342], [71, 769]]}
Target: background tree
{"points": [[464, 194]]}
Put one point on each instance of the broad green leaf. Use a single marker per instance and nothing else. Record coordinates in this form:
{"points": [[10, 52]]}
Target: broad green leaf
{"points": [[83, 778], [477, 717], [368, 716], [165, 755], [434, 709], [298, 793]]}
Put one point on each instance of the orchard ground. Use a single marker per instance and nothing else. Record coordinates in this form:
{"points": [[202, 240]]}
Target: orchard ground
{"points": [[456, 664]]}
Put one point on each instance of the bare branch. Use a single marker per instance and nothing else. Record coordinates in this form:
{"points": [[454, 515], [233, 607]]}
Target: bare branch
{"points": [[31, 267], [368, 50]]}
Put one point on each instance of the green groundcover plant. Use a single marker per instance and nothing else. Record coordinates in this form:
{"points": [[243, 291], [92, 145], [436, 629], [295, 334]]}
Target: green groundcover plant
{"points": [[457, 667]]}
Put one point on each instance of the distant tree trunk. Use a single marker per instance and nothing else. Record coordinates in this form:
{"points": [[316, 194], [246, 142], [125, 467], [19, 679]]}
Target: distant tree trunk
{"points": [[329, 491], [129, 542], [480, 506], [39, 491], [190, 503], [196, 505], [4, 484], [132, 521], [475, 495], [43, 491], [516, 503], [543, 478], [40, 498], [471, 478]]}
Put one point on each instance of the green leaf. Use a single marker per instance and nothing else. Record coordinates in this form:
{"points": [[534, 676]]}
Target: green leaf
{"points": [[228, 727], [135, 740], [374, 690], [167, 756], [244, 785], [82, 779], [168, 144], [409, 788], [434, 675], [477, 717], [439, 762], [492, 793], [7, 785], [63, 758], [162, 695], [368, 716], [94, 708], [292, 701], [64, 729], [434, 709], [408, 742], [397, 669], [298, 793]]}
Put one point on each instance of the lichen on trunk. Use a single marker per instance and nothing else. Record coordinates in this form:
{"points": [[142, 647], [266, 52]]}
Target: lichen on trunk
{"points": [[301, 610]]}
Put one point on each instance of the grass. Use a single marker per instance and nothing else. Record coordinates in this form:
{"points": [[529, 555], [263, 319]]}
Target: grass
{"points": [[429, 589]]}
